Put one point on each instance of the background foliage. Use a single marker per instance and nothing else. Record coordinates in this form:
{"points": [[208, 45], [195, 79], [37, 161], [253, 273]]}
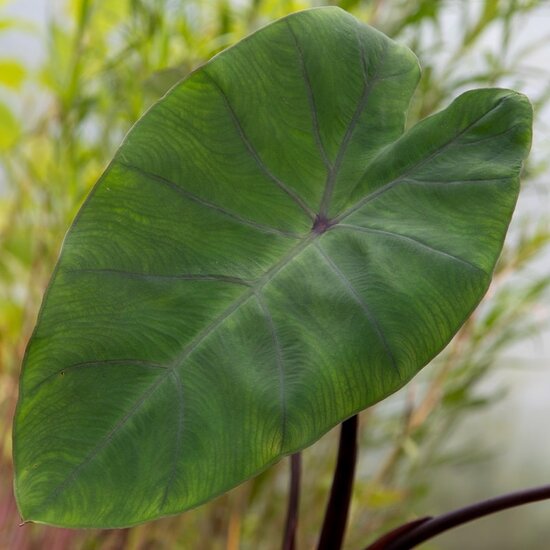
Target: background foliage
{"points": [[104, 63]]}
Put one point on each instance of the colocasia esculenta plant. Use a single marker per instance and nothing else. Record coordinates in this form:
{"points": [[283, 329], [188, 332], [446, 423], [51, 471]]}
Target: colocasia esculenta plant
{"points": [[267, 254]]}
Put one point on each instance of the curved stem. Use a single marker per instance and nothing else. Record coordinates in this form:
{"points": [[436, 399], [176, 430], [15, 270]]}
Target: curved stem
{"points": [[289, 540], [432, 527], [391, 536], [336, 515]]}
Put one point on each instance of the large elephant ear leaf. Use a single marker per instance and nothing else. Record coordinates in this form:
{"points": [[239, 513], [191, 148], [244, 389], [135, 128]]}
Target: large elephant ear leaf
{"points": [[266, 255]]}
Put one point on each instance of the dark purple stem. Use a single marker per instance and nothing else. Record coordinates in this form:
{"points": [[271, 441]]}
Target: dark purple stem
{"points": [[289, 540], [391, 536], [432, 527], [336, 515]]}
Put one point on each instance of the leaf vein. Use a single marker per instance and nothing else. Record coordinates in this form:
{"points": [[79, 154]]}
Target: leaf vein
{"points": [[310, 99], [452, 182], [102, 444], [362, 304], [416, 242], [254, 154], [493, 136], [403, 177], [179, 435], [367, 88], [84, 364], [207, 204], [280, 367], [154, 276]]}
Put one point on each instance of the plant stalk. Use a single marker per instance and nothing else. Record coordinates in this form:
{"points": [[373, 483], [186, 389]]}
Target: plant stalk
{"points": [[396, 534], [289, 540], [435, 526], [336, 515]]}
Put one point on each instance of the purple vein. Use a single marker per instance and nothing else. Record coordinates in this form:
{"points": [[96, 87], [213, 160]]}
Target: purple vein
{"points": [[310, 99], [363, 100], [416, 242], [99, 363], [198, 200], [361, 303], [179, 434], [254, 154], [280, 366], [155, 277], [403, 177]]}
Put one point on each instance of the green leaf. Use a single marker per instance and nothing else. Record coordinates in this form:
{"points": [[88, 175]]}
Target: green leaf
{"points": [[266, 255], [9, 128], [12, 73]]}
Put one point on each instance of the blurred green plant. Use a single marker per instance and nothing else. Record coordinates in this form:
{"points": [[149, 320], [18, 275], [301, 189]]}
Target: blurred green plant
{"points": [[104, 63]]}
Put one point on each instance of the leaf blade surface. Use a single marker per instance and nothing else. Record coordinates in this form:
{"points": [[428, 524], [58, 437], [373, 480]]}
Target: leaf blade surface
{"points": [[266, 255]]}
